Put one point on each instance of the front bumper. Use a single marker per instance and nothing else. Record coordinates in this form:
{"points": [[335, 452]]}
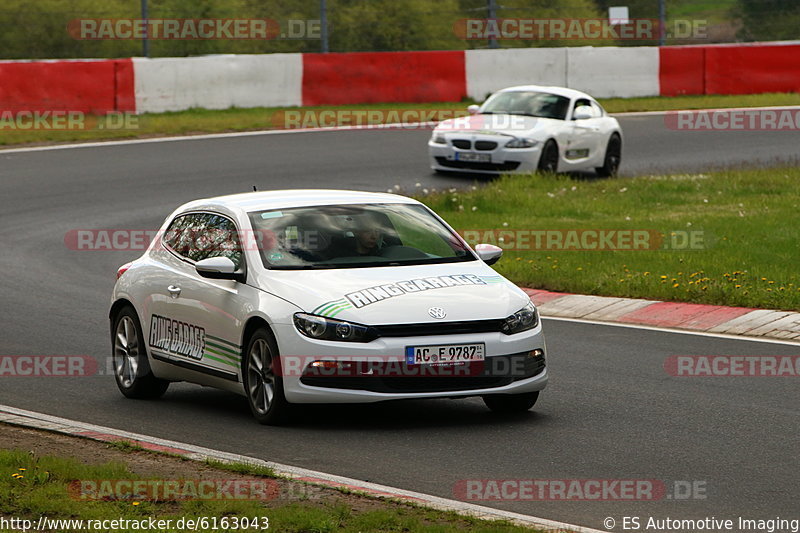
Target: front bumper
{"points": [[298, 351], [447, 157]]}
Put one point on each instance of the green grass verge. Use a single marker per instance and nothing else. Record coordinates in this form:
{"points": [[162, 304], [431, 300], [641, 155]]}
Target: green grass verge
{"points": [[748, 257], [232, 120], [32, 486]]}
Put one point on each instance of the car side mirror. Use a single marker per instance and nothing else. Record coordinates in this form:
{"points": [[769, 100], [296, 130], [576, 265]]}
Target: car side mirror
{"points": [[217, 268], [489, 253], [473, 109], [582, 113]]}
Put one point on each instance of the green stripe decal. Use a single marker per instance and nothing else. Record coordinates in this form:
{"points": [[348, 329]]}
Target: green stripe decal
{"points": [[223, 354], [223, 348], [333, 308], [224, 341], [328, 305], [337, 308], [219, 360]]}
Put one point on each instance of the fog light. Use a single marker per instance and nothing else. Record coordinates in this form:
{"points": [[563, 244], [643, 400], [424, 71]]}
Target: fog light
{"points": [[324, 364]]}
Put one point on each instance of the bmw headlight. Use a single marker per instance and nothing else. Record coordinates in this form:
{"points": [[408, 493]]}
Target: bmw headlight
{"points": [[523, 320], [438, 138], [519, 142], [329, 329]]}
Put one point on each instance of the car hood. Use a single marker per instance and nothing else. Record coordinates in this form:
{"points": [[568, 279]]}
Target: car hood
{"points": [[387, 295], [500, 124]]}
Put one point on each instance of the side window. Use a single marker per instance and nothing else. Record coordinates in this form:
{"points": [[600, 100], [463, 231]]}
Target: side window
{"points": [[221, 240], [182, 233], [197, 236], [597, 110]]}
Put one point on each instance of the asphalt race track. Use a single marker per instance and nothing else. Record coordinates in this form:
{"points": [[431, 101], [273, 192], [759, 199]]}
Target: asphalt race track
{"points": [[610, 412]]}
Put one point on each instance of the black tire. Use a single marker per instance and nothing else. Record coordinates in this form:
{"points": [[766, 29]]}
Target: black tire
{"points": [[262, 385], [511, 403], [548, 161], [613, 158], [132, 370]]}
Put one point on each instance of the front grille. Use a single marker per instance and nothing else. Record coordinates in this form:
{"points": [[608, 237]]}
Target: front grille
{"points": [[471, 165], [439, 328], [485, 145], [497, 371], [464, 144]]}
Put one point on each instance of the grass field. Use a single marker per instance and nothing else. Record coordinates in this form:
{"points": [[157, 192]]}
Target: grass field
{"points": [[730, 236], [32, 486], [231, 120]]}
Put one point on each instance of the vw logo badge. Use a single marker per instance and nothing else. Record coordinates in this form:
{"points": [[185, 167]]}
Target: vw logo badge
{"points": [[437, 312]]}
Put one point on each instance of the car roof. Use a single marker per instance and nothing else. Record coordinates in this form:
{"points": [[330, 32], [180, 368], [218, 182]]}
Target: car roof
{"points": [[561, 91], [284, 199]]}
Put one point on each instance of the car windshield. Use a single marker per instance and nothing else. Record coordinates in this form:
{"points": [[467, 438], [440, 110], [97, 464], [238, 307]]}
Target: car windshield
{"points": [[528, 103], [351, 236]]}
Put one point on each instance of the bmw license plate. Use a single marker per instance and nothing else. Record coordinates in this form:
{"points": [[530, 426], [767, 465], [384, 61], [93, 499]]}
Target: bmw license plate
{"points": [[445, 354], [473, 157]]}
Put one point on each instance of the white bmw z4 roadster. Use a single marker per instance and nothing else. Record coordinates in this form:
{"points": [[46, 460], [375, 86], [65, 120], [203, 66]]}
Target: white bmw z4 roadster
{"points": [[529, 128]]}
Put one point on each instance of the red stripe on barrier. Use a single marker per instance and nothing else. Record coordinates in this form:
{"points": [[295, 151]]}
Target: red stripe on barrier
{"points": [[85, 86], [724, 69], [681, 70], [752, 69], [125, 91], [373, 77]]}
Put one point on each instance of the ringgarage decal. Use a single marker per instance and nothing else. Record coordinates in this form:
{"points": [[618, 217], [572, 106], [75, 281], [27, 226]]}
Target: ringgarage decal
{"points": [[179, 338], [379, 293]]}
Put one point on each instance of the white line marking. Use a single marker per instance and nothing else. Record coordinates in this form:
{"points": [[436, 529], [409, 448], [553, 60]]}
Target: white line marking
{"points": [[207, 136], [707, 110], [201, 453], [674, 330]]}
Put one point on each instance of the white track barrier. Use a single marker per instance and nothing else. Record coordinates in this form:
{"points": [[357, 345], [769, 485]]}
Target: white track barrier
{"points": [[614, 71], [491, 70], [218, 82], [599, 71]]}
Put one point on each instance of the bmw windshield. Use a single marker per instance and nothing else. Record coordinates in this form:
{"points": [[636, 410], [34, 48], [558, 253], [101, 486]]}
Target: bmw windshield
{"points": [[351, 236], [527, 103]]}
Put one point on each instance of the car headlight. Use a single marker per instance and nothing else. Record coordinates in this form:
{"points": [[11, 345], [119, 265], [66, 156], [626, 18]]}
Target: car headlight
{"points": [[322, 328], [519, 142], [438, 138], [523, 320]]}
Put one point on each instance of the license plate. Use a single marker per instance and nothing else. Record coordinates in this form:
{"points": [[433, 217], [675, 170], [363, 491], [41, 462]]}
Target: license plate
{"points": [[445, 354], [473, 157]]}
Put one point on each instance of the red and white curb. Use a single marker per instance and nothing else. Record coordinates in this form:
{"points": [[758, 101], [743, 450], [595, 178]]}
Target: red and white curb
{"points": [[30, 419], [715, 319]]}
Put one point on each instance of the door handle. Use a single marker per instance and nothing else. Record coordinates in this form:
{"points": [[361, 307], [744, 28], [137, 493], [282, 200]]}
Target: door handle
{"points": [[174, 291]]}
